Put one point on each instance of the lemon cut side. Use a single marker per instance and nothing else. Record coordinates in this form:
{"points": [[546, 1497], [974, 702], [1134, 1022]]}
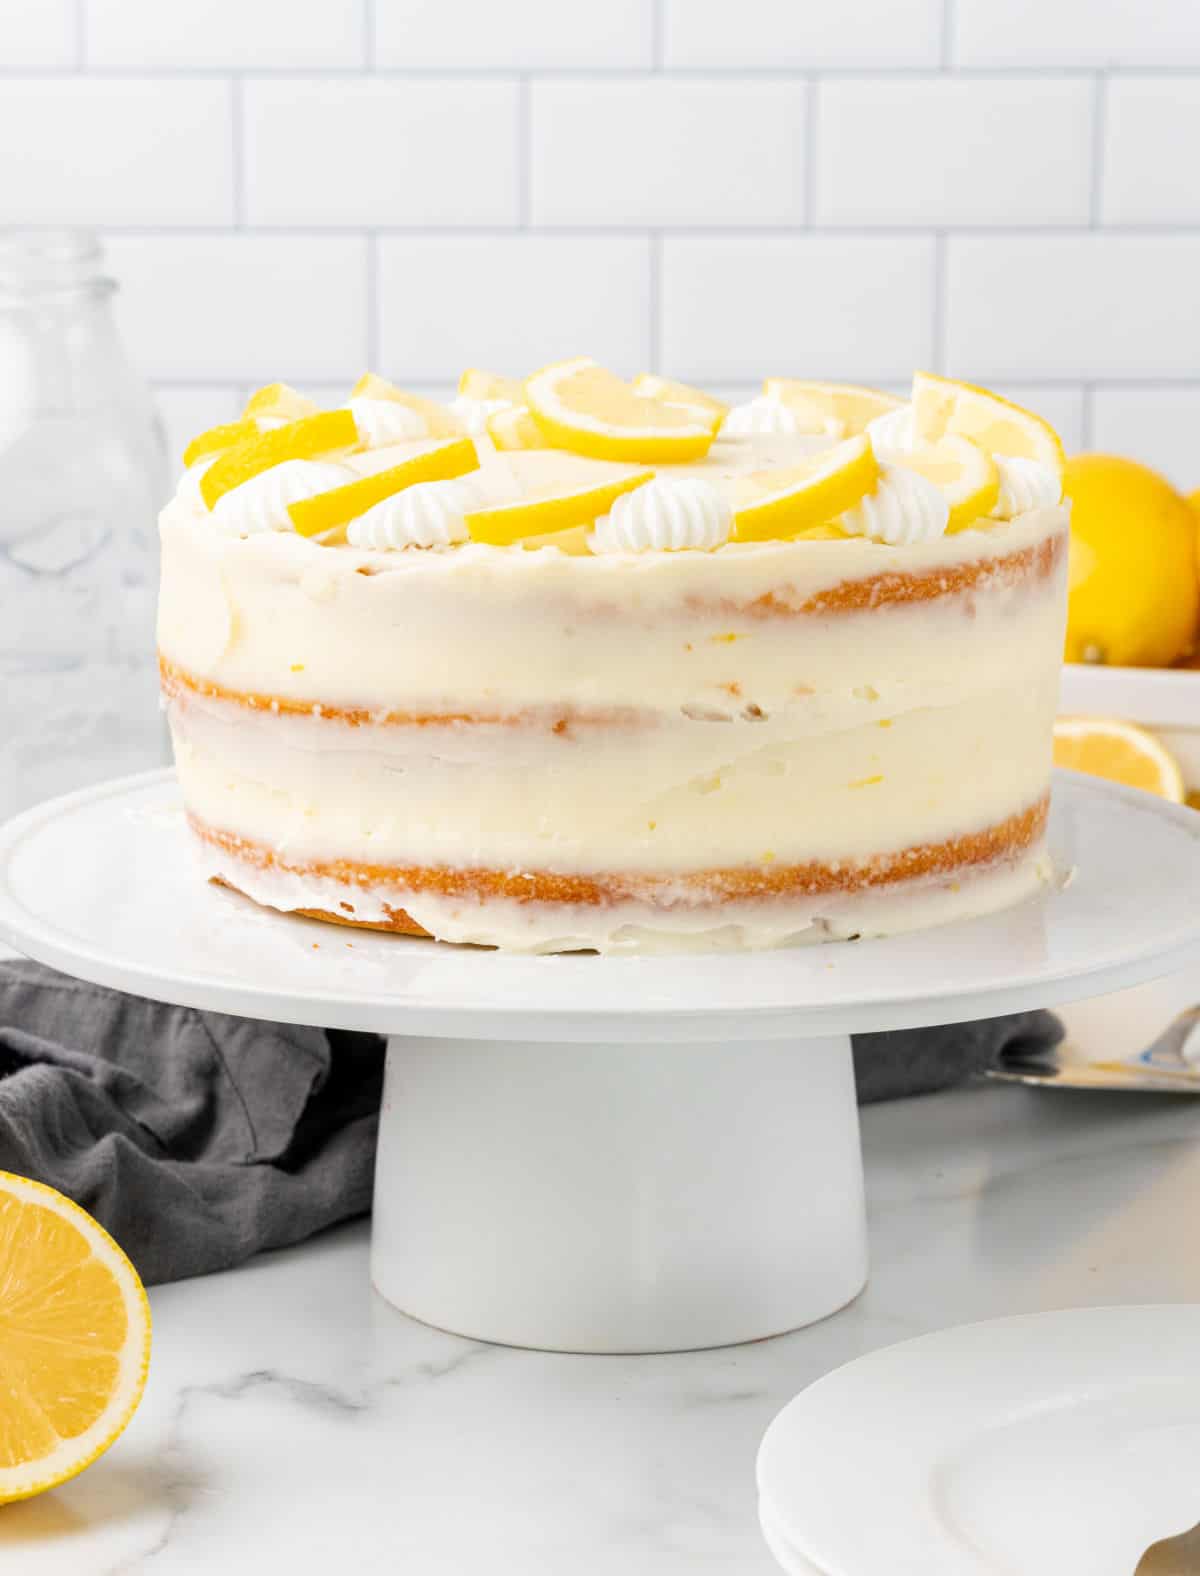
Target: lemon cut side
{"points": [[74, 1338]]}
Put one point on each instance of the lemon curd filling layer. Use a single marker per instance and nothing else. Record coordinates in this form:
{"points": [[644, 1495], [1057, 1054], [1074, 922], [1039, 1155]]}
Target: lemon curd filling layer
{"points": [[621, 644]]}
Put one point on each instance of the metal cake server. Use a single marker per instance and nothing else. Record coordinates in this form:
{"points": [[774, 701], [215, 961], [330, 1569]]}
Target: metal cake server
{"points": [[1168, 1065], [1177, 1556]]}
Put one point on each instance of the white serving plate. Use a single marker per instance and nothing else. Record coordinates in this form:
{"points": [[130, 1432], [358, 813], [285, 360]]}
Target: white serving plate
{"points": [[1053, 1444]]}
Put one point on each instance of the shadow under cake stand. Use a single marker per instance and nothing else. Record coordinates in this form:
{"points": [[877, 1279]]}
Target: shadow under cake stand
{"points": [[602, 1154]]}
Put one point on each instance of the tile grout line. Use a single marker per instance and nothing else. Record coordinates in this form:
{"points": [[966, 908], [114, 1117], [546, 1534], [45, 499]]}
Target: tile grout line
{"points": [[880, 233], [1088, 416], [81, 30], [524, 153], [654, 301], [237, 132], [1099, 138], [947, 51], [811, 135], [374, 349], [938, 326], [368, 32], [929, 73], [658, 29]]}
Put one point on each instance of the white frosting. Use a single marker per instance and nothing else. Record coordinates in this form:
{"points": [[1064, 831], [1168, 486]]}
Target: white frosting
{"points": [[763, 415], [473, 413], [665, 515], [382, 422], [261, 504], [1025, 484], [428, 514], [892, 435], [905, 508]]}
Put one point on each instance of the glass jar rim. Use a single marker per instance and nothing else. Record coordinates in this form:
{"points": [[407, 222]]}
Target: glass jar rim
{"points": [[36, 263]]}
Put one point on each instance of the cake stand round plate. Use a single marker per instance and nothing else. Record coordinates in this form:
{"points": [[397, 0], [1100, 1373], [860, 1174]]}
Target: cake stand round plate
{"points": [[602, 1153]]}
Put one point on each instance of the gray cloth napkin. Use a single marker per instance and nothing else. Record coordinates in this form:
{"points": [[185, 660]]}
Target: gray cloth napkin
{"points": [[198, 1139]]}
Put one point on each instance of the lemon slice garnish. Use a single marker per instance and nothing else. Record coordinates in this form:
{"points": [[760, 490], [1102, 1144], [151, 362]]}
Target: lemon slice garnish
{"points": [[515, 428], [74, 1338], [278, 403], [943, 408], [1119, 751], [330, 510], [441, 423], [783, 503], [650, 386], [841, 408], [562, 510], [966, 474], [583, 407], [475, 383], [312, 438], [218, 438]]}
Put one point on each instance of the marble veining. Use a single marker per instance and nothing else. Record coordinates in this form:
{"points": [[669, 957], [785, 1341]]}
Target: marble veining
{"points": [[294, 1423]]}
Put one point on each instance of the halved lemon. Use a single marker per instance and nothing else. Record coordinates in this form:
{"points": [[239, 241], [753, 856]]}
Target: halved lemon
{"points": [[312, 438], [74, 1338], [843, 408], [442, 423], [515, 428], [335, 508], [475, 383], [1105, 747], [503, 524], [650, 386], [782, 503], [581, 406], [943, 408], [278, 403], [966, 474]]}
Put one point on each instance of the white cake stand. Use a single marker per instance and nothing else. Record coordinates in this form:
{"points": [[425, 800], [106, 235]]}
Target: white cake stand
{"points": [[602, 1154]]}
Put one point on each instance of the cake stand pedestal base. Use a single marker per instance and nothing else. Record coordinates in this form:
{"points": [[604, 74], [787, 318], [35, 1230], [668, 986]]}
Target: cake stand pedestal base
{"points": [[604, 1154], [617, 1197]]}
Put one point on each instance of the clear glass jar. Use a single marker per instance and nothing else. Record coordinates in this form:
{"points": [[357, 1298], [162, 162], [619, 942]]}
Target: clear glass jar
{"points": [[82, 477]]}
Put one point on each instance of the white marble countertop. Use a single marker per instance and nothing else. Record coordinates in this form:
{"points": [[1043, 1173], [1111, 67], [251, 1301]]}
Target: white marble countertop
{"points": [[294, 1423]]}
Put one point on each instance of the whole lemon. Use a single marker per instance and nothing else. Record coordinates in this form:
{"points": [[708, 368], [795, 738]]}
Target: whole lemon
{"points": [[1134, 597]]}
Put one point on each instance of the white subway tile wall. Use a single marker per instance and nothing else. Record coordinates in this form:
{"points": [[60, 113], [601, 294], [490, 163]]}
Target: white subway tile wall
{"points": [[1007, 190]]}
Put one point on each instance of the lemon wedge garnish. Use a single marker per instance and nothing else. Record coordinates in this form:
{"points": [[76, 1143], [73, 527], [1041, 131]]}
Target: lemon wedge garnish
{"points": [[966, 474], [312, 438], [515, 428], [1120, 751], [943, 408], [783, 503], [475, 383], [503, 524], [278, 403], [841, 408], [74, 1338], [650, 386], [583, 407], [329, 510], [441, 423]]}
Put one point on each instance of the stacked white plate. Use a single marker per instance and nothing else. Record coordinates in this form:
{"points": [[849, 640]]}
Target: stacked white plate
{"points": [[1053, 1444]]}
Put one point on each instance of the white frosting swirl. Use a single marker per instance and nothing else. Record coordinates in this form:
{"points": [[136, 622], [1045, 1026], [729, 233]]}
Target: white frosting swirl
{"points": [[905, 507], [892, 435], [427, 514], [763, 414], [473, 413], [261, 504], [665, 515], [1024, 485], [382, 422]]}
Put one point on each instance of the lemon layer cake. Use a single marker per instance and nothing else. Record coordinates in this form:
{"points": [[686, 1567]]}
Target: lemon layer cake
{"points": [[574, 663]]}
